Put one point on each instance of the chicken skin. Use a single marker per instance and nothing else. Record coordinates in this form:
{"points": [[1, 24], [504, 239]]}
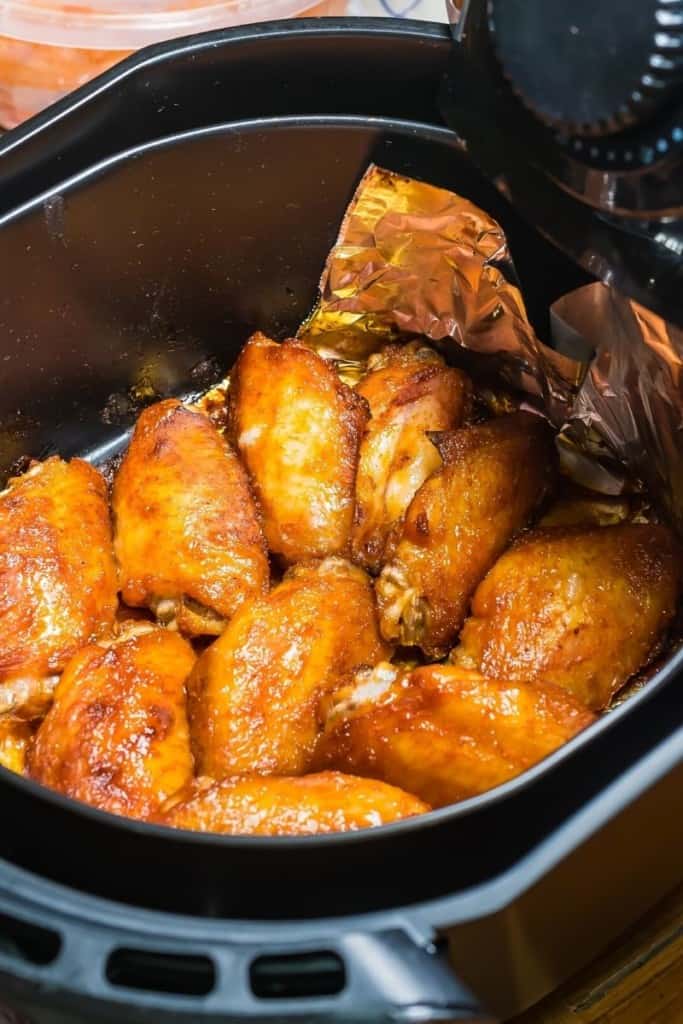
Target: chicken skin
{"points": [[298, 428], [494, 476], [583, 608], [187, 536], [254, 694], [57, 577], [305, 806], [446, 733], [15, 736], [117, 736], [410, 391]]}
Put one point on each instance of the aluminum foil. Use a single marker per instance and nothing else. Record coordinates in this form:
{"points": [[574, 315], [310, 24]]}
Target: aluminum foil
{"points": [[412, 259], [629, 410]]}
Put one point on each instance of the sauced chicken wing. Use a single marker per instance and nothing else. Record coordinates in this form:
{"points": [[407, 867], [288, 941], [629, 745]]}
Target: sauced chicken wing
{"points": [[307, 805], [583, 608], [446, 733], [57, 577], [298, 428], [255, 692], [15, 736], [410, 391], [460, 520], [187, 537], [116, 736]]}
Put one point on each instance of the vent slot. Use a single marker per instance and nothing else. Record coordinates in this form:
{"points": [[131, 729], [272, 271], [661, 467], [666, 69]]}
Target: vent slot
{"points": [[175, 973], [297, 976], [28, 942]]}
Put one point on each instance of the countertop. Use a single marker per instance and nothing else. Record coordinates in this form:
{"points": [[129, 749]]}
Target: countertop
{"points": [[639, 980]]}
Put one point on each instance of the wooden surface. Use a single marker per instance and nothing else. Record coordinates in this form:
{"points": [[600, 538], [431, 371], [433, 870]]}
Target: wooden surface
{"points": [[639, 980]]}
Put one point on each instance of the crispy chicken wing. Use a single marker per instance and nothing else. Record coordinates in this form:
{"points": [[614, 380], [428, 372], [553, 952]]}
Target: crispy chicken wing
{"points": [[298, 428], [443, 732], [57, 577], [410, 391], [255, 692], [583, 608], [589, 510], [117, 736], [187, 537], [15, 736], [307, 805], [460, 520]]}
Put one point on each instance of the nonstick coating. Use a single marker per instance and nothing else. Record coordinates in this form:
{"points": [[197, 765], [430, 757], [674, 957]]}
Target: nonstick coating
{"points": [[149, 272]]}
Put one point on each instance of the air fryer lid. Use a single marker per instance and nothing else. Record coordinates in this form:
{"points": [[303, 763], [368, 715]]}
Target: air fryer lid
{"points": [[575, 112]]}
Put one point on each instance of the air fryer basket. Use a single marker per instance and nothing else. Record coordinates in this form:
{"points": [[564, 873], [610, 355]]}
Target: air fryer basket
{"points": [[143, 272]]}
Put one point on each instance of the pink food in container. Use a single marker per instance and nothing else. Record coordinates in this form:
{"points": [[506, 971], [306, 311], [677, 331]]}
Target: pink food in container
{"points": [[49, 48]]}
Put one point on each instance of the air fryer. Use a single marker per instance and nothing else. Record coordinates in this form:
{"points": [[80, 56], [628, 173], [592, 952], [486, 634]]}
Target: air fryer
{"points": [[141, 236]]}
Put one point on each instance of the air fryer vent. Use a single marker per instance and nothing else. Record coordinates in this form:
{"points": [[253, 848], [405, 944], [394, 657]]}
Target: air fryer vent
{"points": [[174, 973], [28, 942], [297, 976]]}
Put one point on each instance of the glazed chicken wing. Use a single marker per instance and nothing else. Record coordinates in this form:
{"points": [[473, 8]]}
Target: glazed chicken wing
{"points": [[583, 608], [410, 391], [254, 693], [15, 736], [445, 733], [117, 736], [460, 520], [298, 428], [187, 537], [308, 805], [57, 577]]}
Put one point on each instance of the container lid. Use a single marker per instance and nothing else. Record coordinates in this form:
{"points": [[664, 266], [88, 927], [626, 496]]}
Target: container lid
{"points": [[575, 112]]}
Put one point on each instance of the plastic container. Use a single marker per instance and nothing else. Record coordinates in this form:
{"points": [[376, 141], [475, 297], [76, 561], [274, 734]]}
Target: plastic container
{"points": [[48, 48]]}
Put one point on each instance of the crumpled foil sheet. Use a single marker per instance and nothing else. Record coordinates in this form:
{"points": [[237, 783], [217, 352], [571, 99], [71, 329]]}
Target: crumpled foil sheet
{"points": [[412, 259], [630, 405]]}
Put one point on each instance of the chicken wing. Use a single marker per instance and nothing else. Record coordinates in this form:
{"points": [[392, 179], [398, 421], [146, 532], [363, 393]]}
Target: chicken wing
{"points": [[15, 736], [307, 805], [444, 733], [460, 520], [298, 428], [583, 608], [410, 391], [255, 692], [117, 736], [187, 536], [57, 577]]}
